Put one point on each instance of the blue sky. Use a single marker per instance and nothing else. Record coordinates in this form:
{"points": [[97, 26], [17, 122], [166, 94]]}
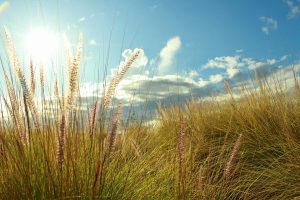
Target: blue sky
{"points": [[196, 44]]}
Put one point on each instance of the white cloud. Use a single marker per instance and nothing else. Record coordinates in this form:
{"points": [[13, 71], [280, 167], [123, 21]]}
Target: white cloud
{"points": [[93, 42], [193, 74], [223, 62], [252, 64], [269, 24], [143, 87], [202, 82], [167, 54], [232, 72], [229, 63], [82, 19], [294, 9], [216, 78], [271, 61], [235, 64], [139, 87]]}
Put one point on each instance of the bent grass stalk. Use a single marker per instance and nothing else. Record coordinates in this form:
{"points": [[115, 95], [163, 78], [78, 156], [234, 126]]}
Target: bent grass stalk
{"points": [[108, 95]]}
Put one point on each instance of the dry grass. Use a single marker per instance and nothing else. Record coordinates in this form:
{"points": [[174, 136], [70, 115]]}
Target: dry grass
{"points": [[246, 148]]}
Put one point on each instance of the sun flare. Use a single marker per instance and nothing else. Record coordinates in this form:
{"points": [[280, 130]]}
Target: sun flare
{"points": [[41, 44]]}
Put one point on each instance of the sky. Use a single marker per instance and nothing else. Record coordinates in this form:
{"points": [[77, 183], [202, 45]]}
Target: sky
{"points": [[188, 47]]}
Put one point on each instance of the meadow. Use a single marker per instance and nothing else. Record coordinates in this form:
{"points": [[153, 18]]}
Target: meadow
{"points": [[235, 148]]}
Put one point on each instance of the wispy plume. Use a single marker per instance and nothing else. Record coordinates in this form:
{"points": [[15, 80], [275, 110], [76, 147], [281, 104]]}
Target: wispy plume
{"points": [[74, 74], [32, 78], [232, 158], [115, 124], [15, 112], [93, 118], [21, 77], [108, 95]]}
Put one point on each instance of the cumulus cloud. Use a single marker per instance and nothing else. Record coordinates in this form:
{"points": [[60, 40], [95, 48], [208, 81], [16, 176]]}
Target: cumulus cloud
{"points": [[216, 78], [156, 87], [193, 74], [137, 88], [294, 9], [223, 62], [167, 54], [232, 72], [233, 65], [93, 42], [253, 64], [143, 92], [229, 63], [270, 24]]}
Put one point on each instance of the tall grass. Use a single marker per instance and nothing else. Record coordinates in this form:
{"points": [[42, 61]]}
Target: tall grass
{"points": [[246, 148]]}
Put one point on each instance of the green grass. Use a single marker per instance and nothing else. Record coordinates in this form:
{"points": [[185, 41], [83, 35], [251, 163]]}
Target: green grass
{"points": [[183, 157]]}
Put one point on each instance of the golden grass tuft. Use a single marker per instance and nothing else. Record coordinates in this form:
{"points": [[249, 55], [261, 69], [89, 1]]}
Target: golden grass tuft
{"points": [[193, 152], [74, 74]]}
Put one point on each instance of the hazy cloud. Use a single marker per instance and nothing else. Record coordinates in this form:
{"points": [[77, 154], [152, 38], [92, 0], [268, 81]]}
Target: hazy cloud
{"points": [[294, 9], [239, 51], [269, 24]]}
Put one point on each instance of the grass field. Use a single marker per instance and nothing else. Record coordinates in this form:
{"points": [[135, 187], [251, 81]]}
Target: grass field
{"points": [[236, 148]]}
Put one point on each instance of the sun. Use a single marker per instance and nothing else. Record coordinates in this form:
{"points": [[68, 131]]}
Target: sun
{"points": [[41, 44]]}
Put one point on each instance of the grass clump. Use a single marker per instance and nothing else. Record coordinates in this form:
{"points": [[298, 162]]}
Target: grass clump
{"points": [[246, 148]]}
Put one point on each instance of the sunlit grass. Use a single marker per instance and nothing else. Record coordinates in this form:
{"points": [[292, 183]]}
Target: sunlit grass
{"points": [[246, 148]]}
